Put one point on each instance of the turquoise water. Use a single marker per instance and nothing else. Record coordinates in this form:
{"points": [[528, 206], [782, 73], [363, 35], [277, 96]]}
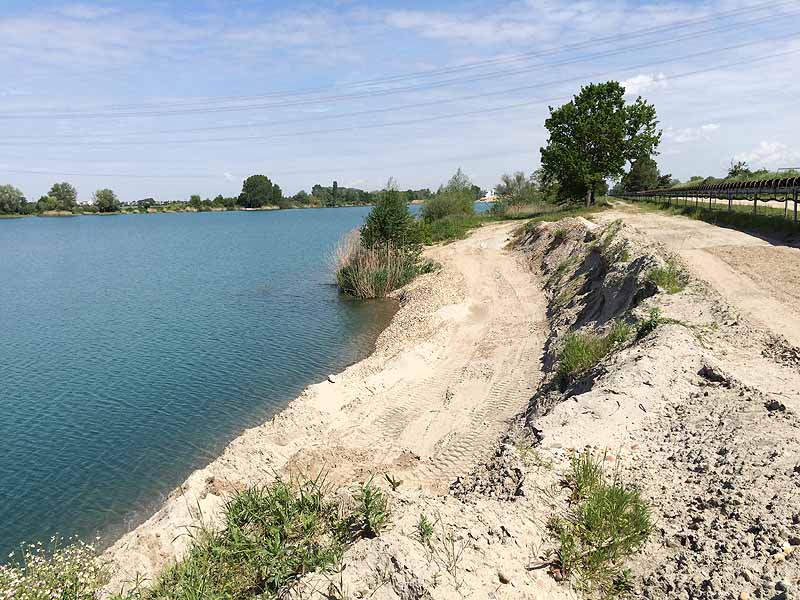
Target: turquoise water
{"points": [[134, 348]]}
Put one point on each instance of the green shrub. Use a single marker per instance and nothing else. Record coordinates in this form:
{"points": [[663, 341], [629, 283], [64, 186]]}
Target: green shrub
{"points": [[389, 222], [669, 278], [606, 523], [448, 204], [374, 272], [69, 572], [453, 227], [582, 351], [456, 198]]}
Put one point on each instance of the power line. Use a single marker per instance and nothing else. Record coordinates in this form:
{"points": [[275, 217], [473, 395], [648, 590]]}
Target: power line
{"points": [[306, 119], [489, 62], [526, 103], [406, 89]]}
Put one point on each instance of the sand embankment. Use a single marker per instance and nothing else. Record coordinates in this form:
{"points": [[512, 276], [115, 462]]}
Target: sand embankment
{"points": [[458, 361]]}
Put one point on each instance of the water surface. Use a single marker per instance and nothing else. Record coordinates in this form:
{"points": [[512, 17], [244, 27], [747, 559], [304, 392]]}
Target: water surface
{"points": [[135, 347]]}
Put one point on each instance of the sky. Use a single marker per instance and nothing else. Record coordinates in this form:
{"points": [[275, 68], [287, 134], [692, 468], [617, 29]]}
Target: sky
{"points": [[166, 99]]}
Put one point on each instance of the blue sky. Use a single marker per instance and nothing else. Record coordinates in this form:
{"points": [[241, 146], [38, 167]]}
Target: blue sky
{"points": [[168, 99]]}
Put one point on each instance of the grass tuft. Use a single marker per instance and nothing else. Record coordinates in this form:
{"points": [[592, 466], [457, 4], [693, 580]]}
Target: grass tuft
{"points": [[582, 351], [607, 522], [373, 510], [669, 278], [375, 272]]}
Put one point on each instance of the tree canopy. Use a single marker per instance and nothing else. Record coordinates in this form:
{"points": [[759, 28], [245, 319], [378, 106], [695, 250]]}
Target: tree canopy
{"points": [[106, 201], [644, 175], [390, 222], [11, 199], [258, 190], [64, 196], [456, 198], [593, 136]]}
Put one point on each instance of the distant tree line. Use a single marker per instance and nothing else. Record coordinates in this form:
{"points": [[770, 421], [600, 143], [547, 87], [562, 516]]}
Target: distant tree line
{"points": [[258, 191]]}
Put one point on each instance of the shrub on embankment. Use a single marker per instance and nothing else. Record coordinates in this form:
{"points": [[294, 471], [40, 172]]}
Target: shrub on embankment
{"points": [[385, 254], [271, 536]]}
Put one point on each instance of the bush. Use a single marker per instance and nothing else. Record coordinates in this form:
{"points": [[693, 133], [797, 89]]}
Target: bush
{"points": [[448, 204], [389, 222], [607, 522], [582, 351], [374, 272], [457, 198], [453, 227]]}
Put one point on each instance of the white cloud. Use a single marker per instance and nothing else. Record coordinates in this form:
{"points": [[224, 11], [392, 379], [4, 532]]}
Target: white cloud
{"points": [[229, 177], [691, 134], [439, 25], [639, 84], [772, 155], [86, 11]]}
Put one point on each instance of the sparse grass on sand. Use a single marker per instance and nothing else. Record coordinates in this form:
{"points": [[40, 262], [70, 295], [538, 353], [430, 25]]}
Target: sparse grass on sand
{"points": [[607, 522], [669, 278], [582, 351], [270, 537]]}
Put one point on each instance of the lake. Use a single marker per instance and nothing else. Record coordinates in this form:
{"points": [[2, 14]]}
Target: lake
{"points": [[135, 347]]}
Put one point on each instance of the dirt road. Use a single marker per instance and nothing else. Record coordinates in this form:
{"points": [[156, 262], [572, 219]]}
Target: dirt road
{"points": [[759, 277], [459, 360]]}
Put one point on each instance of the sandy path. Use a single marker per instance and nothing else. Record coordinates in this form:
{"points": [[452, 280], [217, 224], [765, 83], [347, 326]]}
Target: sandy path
{"points": [[457, 363], [759, 278]]}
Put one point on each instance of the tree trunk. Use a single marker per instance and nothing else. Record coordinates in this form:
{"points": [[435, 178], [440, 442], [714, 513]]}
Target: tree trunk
{"points": [[588, 198], [592, 195]]}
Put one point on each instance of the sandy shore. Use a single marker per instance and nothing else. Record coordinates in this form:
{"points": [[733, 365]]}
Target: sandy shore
{"points": [[456, 363]]}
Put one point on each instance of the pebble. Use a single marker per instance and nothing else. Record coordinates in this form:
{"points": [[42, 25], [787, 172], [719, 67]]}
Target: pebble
{"points": [[747, 576], [503, 577], [332, 378], [743, 595]]}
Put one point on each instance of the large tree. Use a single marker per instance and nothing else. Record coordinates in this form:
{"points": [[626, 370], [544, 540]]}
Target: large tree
{"points": [[106, 201], [593, 136], [644, 175], [65, 196], [258, 190], [11, 199]]}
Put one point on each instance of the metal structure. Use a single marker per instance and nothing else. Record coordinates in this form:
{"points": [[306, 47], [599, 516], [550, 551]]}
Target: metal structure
{"points": [[765, 190]]}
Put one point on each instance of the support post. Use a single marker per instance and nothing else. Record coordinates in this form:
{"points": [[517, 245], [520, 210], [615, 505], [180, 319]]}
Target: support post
{"points": [[730, 201], [795, 205]]}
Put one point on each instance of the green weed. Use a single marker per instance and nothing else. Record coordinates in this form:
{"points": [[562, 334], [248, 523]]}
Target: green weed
{"points": [[669, 278], [425, 530], [372, 509], [582, 351], [606, 523]]}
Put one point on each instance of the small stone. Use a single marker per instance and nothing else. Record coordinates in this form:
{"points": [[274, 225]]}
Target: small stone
{"points": [[794, 540], [778, 557], [781, 586], [743, 595], [503, 577], [747, 576], [332, 378]]}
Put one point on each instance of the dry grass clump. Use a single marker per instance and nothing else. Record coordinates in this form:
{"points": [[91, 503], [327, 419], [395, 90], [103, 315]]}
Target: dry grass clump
{"points": [[374, 272]]}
